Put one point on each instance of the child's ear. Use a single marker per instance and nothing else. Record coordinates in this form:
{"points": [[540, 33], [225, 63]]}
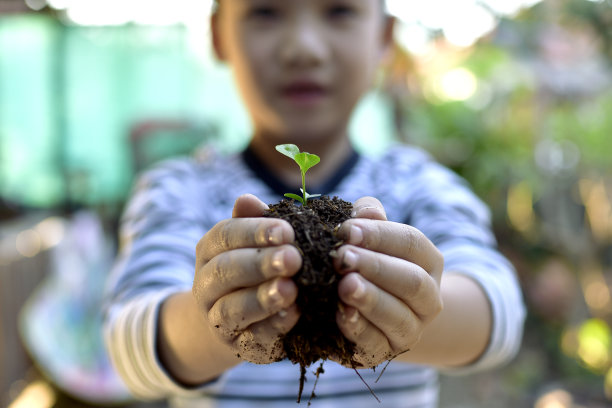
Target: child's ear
{"points": [[387, 35], [216, 36]]}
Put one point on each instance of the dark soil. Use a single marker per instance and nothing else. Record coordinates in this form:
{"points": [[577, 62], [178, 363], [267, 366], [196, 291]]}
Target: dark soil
{"points": [[316, 335]]}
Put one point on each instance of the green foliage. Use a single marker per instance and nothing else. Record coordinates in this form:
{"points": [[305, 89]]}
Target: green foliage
{"points": [[305, 160], [529, 125]]}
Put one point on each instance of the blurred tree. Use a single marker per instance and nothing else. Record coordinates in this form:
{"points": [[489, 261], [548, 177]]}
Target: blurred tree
{"points": [[524, 116]]}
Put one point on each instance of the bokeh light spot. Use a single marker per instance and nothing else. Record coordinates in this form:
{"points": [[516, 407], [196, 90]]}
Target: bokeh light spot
{"points": [[28, 243], [458, 84], [38, 394], [557, 398], [594, 344], [520, 207], [51, 231]]}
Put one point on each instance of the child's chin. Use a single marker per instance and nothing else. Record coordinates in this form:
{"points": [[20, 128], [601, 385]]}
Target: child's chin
{"points": [[317, 129]]}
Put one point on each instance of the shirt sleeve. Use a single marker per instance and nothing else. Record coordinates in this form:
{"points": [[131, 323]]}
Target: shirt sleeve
{"points": [[444, 208], [158, 234]]}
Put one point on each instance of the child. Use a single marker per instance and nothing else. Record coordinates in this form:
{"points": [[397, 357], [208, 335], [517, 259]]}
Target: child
{"points": [[208, 336]]}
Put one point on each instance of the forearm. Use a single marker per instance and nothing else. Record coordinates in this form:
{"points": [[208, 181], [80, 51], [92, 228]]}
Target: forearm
{"points": [[187, 348], [461, 332]]}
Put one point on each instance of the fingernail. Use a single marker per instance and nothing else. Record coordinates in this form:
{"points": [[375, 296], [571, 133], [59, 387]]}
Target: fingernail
{"points": [[354, 213], [282, 313], [276, 299], [349, 260], [360, 289], [274, 236], [278, 261], [355, 235]]}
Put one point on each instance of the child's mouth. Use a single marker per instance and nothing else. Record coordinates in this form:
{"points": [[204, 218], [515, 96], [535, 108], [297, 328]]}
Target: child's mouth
{"points": [[304, 93]]}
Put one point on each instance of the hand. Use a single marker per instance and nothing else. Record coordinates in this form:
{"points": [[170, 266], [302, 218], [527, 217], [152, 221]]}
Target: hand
{"points": [[242, 281], [391, 285]]}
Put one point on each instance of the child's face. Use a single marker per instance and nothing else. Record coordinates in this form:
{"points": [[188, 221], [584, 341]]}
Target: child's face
{"points": [[301, 65]]}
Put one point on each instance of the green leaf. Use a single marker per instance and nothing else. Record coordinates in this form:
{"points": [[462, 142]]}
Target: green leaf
{"points": [[289, 150], [306, 160], [295, 197]]}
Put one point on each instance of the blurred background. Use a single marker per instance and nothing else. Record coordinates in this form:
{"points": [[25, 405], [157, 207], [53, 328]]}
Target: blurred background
{"points": [[515, 95]]}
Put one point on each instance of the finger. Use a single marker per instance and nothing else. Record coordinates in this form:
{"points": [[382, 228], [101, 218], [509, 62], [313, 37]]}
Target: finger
{"points": [[244, 307], [394, 239], [261, 343], [242, 268], [405, 280], [242, 233], [369, 207], [391, 316], [248, 205], [364, 334]]}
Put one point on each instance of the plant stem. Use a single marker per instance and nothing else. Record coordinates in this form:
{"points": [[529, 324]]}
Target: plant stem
{"points": [[304, 185]]}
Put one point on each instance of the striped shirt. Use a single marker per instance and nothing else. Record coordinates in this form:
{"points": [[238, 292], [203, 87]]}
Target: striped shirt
{"points": [[175, 203]]}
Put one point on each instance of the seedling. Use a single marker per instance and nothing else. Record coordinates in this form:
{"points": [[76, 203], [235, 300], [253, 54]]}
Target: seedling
{"points": [[305, 160]]}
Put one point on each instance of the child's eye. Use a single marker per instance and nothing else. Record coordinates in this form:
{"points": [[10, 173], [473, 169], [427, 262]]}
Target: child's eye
{"points": [[340, 11], [264, 13]]}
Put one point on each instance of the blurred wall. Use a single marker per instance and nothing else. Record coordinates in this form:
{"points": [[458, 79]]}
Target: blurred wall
{"points": [[71, 95]]}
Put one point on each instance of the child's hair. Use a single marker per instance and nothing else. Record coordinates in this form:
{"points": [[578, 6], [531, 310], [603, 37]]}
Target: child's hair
{"points": [[215, 5]]}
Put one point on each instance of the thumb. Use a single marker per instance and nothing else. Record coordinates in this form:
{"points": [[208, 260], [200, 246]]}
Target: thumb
{"points": [[248, 205], [370, 208]]}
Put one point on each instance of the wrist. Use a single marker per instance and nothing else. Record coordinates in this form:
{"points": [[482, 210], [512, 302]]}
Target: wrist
{"points": [[186, 346], [459, 335]]}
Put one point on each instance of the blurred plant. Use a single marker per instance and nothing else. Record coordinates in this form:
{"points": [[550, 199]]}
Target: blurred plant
{"points": [[597, 14], [524, 117]]}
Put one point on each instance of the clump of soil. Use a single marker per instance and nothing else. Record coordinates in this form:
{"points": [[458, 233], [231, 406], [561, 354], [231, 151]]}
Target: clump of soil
{"points": [[316, 335]]}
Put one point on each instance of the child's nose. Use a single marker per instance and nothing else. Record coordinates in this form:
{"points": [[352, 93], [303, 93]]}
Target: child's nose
{"points": [[303, 44]]}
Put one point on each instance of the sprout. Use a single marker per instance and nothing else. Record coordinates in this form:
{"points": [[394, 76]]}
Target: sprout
{"points": [[305, 161]]}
